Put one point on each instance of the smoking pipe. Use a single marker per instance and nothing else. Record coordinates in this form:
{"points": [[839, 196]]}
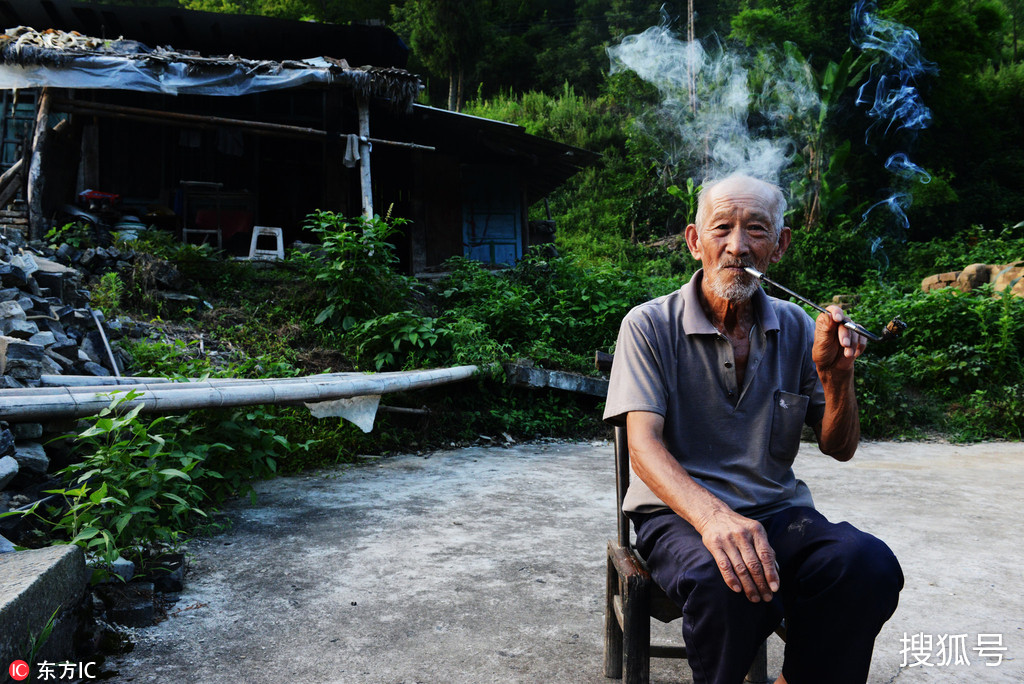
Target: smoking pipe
{"points": [[893, 328]]}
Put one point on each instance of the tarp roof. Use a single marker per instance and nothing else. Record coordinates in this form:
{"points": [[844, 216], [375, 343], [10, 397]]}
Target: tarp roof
{"points": [[53, 58]]}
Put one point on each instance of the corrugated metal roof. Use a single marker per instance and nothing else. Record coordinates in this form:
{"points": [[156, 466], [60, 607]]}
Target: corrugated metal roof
{"points": [[546, 164]]}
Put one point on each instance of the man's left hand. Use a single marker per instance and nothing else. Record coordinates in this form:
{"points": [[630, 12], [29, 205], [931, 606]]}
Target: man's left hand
{"points": [[836, 347]]}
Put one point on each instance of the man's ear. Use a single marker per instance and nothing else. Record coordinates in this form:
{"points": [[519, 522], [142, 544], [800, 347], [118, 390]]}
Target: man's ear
{"points": [[692, 242], [785, 238]]}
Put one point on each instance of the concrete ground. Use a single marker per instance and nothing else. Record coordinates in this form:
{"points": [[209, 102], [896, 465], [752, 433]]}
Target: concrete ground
{"points": [[487, 565]]}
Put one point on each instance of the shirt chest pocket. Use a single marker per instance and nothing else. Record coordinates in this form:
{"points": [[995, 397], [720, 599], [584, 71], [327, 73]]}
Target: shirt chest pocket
{"points": [[788, 416]]}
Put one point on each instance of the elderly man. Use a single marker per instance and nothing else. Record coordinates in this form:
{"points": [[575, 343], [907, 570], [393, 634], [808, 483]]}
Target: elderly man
{"points": [[714, 383]]}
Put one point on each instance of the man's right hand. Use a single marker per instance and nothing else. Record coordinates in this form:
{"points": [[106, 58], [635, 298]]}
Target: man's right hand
{"points": [[739, 545], [741, 550]]}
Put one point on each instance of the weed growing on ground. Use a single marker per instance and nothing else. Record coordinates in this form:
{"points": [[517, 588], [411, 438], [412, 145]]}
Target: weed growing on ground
{"points": [[144, 482]]}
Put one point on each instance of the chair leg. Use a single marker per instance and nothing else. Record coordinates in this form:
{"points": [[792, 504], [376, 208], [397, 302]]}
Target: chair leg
{"points": [[758, 673], [612, 630], [636, 629]]}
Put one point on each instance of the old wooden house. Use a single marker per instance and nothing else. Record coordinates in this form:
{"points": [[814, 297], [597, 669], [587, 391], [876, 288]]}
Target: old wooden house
{"points": [[199, 140]]}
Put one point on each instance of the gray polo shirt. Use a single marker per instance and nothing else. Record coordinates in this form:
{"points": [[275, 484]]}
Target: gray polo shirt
{"points": [[738, 442]]}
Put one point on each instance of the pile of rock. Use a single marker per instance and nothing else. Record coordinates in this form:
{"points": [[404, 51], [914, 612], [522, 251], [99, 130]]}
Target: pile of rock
{"points": [[1003, 277], [47, 328], [46, 324]]}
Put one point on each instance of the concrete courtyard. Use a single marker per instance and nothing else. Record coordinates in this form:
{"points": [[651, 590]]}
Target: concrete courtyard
{"points": [[487, 565]]}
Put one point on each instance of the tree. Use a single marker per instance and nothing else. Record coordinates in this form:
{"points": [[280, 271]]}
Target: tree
{"points": [[333, 11], [1015, 10], [446, 35]]}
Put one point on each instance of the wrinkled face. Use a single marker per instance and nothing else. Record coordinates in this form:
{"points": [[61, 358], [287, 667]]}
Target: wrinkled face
{"points": [[738, 231]]}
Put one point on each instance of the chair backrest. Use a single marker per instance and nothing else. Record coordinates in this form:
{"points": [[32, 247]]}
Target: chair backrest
{"points": [[603, 362]]}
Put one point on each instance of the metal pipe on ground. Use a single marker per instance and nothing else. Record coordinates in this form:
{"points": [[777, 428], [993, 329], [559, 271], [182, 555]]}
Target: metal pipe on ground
{"points": [[106, 344]]}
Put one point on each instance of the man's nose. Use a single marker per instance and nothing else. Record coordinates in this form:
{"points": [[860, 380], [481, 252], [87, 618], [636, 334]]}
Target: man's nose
{"points": [[738, 243]]}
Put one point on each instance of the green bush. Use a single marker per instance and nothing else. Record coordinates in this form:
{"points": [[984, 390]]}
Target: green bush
{"points": [[135, 485], [550, 309], [356, 267], [822, 262], [144, 483], [106, 294], [401, 339], [76, 234], [977, 245], [958, 367]]}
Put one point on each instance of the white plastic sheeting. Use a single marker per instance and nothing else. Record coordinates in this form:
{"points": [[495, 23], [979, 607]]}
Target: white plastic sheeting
{"points": [[181, 76]]}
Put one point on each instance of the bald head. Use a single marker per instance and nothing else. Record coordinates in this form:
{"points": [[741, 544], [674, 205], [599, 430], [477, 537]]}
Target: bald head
{"points": [[739, 186]]}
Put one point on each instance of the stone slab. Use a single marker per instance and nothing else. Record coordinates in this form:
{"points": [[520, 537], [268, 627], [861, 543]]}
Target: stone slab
{"points": [[8, 469], [527, 376], [31, 457], [34, 584]]}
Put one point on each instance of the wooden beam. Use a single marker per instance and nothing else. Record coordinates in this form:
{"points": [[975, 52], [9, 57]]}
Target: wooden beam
{"points": [[203, 121], [35, 171], [11, 181]]}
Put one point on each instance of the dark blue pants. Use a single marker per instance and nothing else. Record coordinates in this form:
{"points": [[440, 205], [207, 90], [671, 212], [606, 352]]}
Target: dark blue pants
{"points": [[838, 586]]}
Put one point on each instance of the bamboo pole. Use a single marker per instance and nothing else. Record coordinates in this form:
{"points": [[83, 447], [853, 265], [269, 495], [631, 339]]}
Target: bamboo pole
{"points": [[80, 383], [204, 121], [101, 381], [365, 180], [404, 410], [76, 403], [57, 381]]}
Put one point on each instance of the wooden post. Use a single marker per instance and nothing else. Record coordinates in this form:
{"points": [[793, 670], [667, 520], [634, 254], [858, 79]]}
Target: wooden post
{"points": [[333, 190], [365, 180], [88, 165], [758, 673], [35, 173], [418, 227]]}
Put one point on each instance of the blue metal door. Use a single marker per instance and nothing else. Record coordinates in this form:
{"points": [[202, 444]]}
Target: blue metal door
{"points": [[492, 215]]}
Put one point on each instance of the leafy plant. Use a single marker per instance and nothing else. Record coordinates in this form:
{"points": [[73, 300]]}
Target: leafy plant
{"points": [[355, 266], [141, 483], [36, 640], [106, 295], [176, 359], [134, 486], [688, 197], [75, 234], [395, 340]]}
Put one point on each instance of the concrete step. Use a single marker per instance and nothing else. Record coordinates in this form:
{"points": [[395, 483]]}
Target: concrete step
{"points": [[33, 585]]}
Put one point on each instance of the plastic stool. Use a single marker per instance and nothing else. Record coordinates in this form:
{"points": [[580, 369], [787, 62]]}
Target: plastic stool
{"points": [[267, 254]]}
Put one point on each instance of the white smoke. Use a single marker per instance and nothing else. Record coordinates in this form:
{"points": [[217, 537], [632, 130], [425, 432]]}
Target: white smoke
{"points": [[704, 122], [894, 104]]}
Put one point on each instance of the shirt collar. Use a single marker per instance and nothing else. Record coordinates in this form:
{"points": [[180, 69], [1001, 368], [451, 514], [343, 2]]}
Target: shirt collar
{"points": [[695, 321]]}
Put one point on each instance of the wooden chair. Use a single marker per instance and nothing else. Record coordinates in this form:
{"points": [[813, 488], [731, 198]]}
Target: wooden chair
{"points": [[633, 598]]}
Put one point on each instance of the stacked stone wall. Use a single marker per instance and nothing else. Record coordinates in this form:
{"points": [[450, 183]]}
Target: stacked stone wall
{"points": [[1003, 277]]}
